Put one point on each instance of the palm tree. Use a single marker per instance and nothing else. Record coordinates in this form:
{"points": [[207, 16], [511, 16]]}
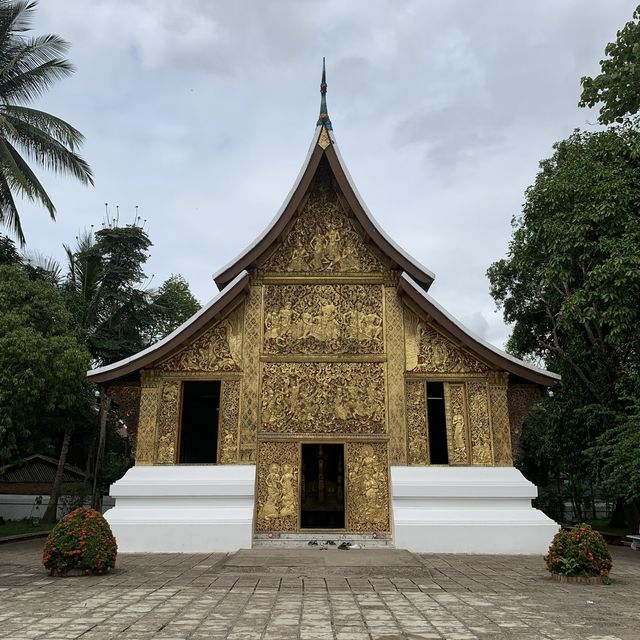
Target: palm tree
{"points": [[28, 67]]}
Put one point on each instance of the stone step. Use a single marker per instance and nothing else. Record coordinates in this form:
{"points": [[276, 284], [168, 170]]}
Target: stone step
{"points": [[301, 540]]}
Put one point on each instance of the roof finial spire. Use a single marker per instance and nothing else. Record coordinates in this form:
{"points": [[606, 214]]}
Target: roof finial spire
{"points": [[324, 114]]}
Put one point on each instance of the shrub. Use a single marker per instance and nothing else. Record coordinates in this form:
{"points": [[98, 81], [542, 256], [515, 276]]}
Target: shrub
{"points": [[579, 552], [82, 541]]}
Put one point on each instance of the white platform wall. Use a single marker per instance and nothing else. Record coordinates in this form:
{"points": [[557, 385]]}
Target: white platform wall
{"points": [[467, 510], [185, 509]]}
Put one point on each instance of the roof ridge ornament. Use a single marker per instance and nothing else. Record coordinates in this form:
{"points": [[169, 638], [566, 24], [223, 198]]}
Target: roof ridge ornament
{"points": [[324, 113]]}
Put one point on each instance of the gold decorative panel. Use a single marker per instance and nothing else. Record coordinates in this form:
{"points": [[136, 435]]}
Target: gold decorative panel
{"points": [[394, 338], [429, 351], [277, 487], [321, 397], [457, 427], [168, 423], [418, 435], [323, 319], [368, 487], [324, 140], [479, 423], [251, 375], [323, 238], [520, 399], [219, 348], [149, 396], [500, 428], [228, 421]]}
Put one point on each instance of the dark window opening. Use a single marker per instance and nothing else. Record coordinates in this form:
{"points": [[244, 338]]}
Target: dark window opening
{"points": [[199, 424], [438, 453], [322, 486]]}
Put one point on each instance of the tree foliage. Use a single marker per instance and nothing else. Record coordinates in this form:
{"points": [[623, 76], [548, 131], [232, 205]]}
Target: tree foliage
{"points": [[29, 65], [571, 285], [617, 87], [571, 282], [42, 366], [105, 291], [173, 303]]}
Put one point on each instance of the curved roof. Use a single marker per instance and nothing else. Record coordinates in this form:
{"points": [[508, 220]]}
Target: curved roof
{"points": [[211, 311], [323, 144], [233, 279], [475, 343]]}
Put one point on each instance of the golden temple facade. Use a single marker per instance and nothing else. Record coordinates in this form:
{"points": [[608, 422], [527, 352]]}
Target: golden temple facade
{"points": [[327, 363]]}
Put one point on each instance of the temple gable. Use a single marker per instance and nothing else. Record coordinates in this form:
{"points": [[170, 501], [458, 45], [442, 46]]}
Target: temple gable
{"points": [[323, 237], [218, 348], [429, 350]]}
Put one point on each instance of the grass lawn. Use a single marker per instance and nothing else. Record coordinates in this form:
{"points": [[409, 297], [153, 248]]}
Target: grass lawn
{"points": [[16, 527]]}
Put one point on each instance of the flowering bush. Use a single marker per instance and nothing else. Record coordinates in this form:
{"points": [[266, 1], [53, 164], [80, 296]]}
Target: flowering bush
{"points": [[81, 541], [579, 552]]}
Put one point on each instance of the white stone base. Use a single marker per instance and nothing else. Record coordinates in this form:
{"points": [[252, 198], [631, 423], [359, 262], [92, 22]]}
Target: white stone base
{"points": [[183, 508], [467, 510]]}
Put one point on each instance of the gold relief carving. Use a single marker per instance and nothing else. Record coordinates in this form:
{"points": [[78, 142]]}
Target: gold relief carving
{"points": [[251, 375], [146, 441], [429, 351], [168, 418], [418, 436], [479, 424], [277, 487], [323, 319], [217, 349], [228, 421], [456, 416], [368, 487], [520, 399], [394, 338], [323, 237], [500, 428], [323, 140], [318, 397]]}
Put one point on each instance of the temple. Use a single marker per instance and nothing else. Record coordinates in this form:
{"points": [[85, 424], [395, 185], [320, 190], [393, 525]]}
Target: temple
{"points": [[324, 394]]}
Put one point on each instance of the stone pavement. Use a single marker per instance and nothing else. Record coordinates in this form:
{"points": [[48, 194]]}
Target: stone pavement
{"points": [[313, 594]]}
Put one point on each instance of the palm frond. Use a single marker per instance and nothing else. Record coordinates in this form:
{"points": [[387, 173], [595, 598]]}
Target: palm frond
{"points": [[17, 15], [28, 67], [31, 84], [9, 216], [48, 152], [46, 263], [57, 128], [22, 179]]}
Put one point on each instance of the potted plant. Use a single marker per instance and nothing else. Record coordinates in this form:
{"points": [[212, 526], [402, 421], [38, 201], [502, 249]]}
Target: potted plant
{"points": [[579, 555]]}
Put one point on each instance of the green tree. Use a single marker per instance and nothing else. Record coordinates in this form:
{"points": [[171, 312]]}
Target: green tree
{"points": [[571, 284], [28, 67], [105, 291], [8, 252], [617, 87], [43, 389], [173, 303]]}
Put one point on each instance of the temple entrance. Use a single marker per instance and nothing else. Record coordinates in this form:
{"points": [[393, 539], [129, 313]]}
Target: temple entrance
{"points": [[322, 486], [199, 422]]}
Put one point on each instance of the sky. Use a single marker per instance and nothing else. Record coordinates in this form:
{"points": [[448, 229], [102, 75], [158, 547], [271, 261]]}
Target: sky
{"points": [[200, 113]]}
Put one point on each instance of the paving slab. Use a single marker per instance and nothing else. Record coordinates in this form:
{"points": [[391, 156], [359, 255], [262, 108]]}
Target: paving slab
{"points": [[314, 594]]}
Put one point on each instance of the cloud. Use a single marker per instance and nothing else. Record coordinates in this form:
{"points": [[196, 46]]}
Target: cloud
{"points": [[201, 113]]}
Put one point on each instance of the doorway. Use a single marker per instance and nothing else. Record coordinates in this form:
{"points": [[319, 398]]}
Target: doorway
{"points": [[199, 422], [322, 486]]}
